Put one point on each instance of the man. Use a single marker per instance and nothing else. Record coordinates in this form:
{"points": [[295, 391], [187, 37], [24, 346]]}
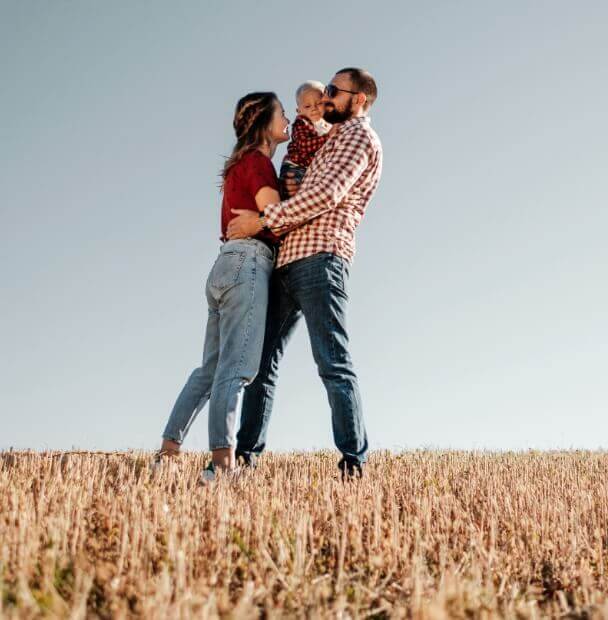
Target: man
{"points": [[313, 267]]}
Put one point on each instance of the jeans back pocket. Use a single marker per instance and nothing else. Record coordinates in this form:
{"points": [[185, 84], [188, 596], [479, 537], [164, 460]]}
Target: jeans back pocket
{"points": [[226, 270]]}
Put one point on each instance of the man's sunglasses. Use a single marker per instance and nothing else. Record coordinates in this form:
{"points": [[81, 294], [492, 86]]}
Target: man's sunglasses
{"points": [[331, 91]]}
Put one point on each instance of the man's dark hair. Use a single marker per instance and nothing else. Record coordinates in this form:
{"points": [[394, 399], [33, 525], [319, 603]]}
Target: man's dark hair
{"points": [[363, 82]]}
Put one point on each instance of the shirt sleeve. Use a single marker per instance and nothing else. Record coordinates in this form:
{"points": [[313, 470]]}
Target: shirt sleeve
{"points": [[260, 173], [347, 162]]}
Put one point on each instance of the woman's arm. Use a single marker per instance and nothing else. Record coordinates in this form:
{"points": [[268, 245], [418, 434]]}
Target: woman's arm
{"points": [[265, 196]]}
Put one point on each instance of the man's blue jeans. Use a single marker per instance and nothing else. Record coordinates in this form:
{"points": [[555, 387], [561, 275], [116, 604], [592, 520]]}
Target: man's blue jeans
{"points": [[313, 287]]}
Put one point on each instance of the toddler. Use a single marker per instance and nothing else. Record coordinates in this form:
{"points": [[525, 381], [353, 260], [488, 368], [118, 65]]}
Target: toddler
{"points": [[308, 132]]}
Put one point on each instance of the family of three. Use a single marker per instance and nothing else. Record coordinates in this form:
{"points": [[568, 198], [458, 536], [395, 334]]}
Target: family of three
{"points": [[287, 248]]}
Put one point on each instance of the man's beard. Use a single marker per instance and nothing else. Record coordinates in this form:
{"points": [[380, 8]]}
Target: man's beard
{"points": [[335, 116]]}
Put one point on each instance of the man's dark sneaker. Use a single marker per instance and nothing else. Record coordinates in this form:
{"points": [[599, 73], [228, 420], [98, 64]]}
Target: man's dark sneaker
{"points": [[246, 459], [350, 470]]}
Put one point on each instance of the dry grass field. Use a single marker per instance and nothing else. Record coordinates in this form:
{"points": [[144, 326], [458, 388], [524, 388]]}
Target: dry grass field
{"points": [[425, 534]]}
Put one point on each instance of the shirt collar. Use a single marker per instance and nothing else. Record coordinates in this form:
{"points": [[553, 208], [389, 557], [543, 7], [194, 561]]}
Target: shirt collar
{"points": [[351, 122]]}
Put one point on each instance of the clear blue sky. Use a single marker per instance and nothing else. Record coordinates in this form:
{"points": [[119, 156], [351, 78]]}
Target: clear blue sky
{"points": [[478, 294]]}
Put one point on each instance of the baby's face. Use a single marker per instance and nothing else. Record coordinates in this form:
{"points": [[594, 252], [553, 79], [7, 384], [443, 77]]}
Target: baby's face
{"points": [[310, 106]]}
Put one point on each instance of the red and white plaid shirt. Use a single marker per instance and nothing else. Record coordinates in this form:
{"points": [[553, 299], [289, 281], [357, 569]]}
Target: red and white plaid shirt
{"points": [[305, 142], [330, 203]]}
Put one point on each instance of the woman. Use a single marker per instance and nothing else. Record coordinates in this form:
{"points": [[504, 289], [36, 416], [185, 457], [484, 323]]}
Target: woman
{"points": [[236, 289]]}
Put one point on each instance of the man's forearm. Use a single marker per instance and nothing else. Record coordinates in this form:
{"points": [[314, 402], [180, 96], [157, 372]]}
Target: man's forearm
{"points": [[314, 200], [284, 216]]}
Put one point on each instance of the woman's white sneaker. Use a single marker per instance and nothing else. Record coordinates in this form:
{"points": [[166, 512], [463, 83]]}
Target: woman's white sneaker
{"points": [[159, 457], [208, 474]]}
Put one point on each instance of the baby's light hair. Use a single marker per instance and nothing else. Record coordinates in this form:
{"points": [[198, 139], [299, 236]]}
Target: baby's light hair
{"points": [[307, 87]]}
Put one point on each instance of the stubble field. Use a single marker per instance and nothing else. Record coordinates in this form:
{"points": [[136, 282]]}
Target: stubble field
{"points": [[425, 534]]}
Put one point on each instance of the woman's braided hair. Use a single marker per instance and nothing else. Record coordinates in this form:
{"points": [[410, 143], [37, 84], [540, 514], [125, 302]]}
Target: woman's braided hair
{"points": [[252, 117]]}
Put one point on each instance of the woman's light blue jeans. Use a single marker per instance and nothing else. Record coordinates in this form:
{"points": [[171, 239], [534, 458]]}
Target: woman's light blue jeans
{"points": [[237, 294]]}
